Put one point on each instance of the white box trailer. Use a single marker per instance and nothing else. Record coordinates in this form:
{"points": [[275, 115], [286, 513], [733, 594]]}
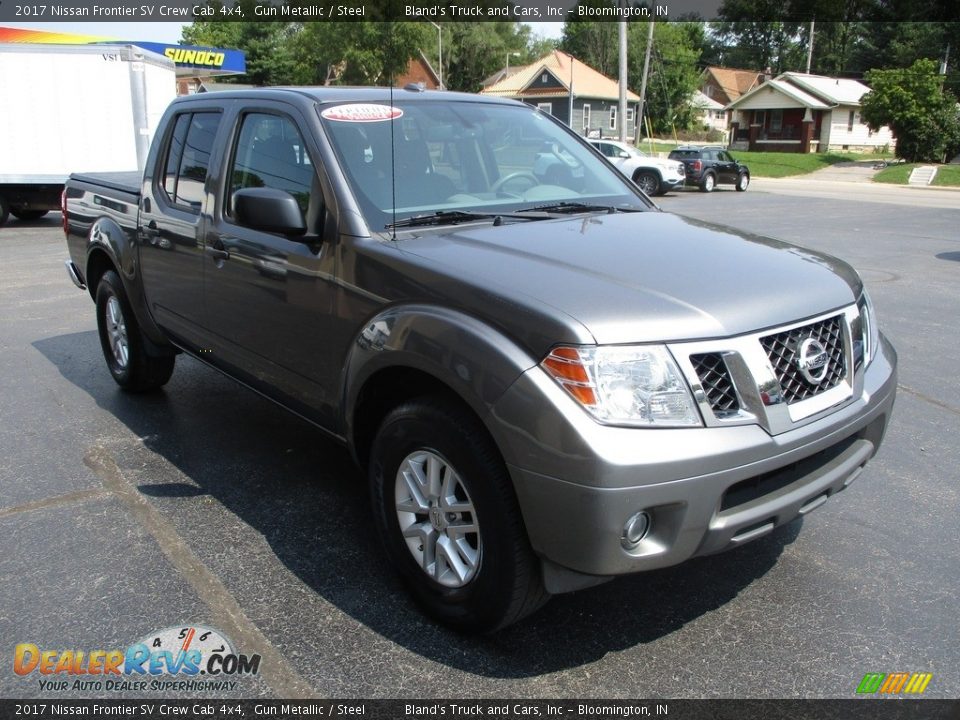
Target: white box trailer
{"points": [[74, 108]]}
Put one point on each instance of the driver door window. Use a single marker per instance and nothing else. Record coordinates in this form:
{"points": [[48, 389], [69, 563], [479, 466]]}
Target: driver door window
{"points": [[270, 153]]}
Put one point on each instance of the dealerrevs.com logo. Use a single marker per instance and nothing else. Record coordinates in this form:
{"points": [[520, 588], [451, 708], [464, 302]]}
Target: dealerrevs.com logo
{"points": [[199, 658]]}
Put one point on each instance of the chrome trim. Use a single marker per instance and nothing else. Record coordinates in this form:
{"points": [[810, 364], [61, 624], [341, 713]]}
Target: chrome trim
{"points": [[755, 381], [74, 274]]}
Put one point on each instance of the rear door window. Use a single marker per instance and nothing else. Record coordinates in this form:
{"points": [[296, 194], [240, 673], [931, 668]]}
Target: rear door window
{"points": [[188, 158]]}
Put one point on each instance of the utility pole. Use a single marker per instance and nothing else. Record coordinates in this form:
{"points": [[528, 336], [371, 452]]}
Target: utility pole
{"points": [[946, 59], [643, 84], [622, 111], [440, 51], [810, 49]]}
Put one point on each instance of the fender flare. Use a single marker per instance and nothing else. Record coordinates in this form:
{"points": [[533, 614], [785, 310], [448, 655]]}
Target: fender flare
{"points": [[474, 359], [107, 237]]}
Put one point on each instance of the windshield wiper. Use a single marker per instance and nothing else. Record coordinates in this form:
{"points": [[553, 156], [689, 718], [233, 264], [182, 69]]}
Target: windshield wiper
{"points": [[576, 207], [452, 217]]}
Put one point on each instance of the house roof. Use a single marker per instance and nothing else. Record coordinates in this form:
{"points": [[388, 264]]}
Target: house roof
{"points": [[836, 91], [791, 91], [734, 82], [699, 100], [587, 82], [499, 75]]}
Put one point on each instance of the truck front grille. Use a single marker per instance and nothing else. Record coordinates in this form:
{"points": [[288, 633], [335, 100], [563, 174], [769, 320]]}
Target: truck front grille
{"points": [[715, 379], [782, 350]]}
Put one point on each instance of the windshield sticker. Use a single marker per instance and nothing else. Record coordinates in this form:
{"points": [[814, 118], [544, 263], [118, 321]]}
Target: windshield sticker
{"points": [[361, 112]]}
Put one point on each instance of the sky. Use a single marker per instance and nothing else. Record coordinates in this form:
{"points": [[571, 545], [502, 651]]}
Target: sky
{"points": [[169, 32]]}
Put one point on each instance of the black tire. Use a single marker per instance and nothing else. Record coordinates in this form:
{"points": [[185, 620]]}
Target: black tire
{"points": [[28, 214], [743, 182], [506, 584], [4, 210], [140, 371], [708, 183], [647, 181]]}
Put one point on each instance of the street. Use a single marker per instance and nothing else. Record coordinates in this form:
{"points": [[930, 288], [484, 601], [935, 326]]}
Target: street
{"points": [[205, 504]]}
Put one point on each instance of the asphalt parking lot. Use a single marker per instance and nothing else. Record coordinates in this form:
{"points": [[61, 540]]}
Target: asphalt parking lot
{"points": [[207, 505]]}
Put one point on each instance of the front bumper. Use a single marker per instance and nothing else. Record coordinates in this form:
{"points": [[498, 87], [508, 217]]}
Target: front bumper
{"points": [[705, 489]]}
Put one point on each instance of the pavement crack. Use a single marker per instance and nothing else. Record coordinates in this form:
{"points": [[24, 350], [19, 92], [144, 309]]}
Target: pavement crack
{"points": [[927, 398], [65, 499], [227, 615]]}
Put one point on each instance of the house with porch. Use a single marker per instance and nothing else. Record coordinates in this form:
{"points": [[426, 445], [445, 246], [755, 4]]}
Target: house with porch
{"points": [[552, 81], [798, 112]]}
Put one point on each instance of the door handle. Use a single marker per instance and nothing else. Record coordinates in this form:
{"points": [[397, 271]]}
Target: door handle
{"points": [[150, 230], [218, 254]]}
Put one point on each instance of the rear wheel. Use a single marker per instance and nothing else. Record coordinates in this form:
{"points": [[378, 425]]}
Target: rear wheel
{"points": [[743, 182], [447, 516], [647, 181], [708, 183], [124, 347], [28, 214]]}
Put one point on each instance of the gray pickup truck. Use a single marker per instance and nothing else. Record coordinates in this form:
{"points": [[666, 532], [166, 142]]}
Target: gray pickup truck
{"points": [[547, 381]]}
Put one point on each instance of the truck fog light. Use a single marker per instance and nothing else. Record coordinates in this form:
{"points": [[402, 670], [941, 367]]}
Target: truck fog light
{"points": [[635, 530]]}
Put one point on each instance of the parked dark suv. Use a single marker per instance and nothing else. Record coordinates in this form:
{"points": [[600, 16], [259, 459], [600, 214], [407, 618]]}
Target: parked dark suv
{"points": [[707, 166]]}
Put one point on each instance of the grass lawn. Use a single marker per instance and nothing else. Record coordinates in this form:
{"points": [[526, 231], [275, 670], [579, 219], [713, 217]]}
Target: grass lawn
{"points": [[772, 164], [895, 174], [947, 175]]}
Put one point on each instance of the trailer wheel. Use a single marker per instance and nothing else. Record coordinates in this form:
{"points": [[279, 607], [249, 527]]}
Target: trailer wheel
{"points": [[4, 210], [133, 368], [28, 214]]}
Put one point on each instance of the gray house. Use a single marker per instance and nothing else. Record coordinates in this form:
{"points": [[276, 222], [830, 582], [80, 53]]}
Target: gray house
{"points": [[549, 83]]}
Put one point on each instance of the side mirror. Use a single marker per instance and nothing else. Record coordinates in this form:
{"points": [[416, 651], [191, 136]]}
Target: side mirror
{"points": [[268, 209], [623, 154]]}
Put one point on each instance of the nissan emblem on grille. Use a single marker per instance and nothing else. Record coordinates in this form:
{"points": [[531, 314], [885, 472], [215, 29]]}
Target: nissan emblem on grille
{"points": [[812, 360]]}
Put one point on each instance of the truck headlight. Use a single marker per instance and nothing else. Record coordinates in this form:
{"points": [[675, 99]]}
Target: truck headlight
{"points": [[637, 385], [870, 331]]}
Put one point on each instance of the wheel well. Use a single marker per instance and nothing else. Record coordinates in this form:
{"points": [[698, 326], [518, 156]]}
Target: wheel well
{"points": [[97, 264], [385, 390], [652, 171]]}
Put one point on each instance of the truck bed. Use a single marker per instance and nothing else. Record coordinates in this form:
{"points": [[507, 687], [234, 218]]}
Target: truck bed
{"points": [[126, 182]]}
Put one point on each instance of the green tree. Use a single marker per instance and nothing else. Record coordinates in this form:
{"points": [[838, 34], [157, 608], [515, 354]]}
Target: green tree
{"points": [[267, 45], [355, 53], [674, 72], [912, 103]]}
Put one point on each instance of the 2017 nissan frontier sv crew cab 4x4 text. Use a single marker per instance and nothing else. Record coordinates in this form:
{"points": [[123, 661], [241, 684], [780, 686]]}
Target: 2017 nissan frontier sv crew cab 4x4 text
{"points": [[547, 381]]}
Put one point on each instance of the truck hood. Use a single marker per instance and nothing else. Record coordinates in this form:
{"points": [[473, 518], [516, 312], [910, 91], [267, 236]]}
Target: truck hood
{"points": [[643, 277]]}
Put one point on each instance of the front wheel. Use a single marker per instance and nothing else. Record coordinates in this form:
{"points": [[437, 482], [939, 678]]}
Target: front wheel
{"points": [[743, 182], [648, 182], [448, 519], [124, 347], [709, 183]]}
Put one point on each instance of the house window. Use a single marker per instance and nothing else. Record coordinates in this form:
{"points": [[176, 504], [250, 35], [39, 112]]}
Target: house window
{"points": [[629, 116], [544, 78], [545, 107], [718, 114], [850, 122], [613, 118], [759, 117], [586, 117], [776, 120]]}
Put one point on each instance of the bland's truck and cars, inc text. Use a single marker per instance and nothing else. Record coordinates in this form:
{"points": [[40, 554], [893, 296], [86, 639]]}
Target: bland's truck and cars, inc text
{"points": [[547, 381]]}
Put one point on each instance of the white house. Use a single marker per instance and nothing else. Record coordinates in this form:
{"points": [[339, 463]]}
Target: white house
{"points": [[710, 114], [797, 112]]}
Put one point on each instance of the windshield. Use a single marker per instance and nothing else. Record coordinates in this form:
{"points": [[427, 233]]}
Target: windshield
{"points": [[465, 156]]}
